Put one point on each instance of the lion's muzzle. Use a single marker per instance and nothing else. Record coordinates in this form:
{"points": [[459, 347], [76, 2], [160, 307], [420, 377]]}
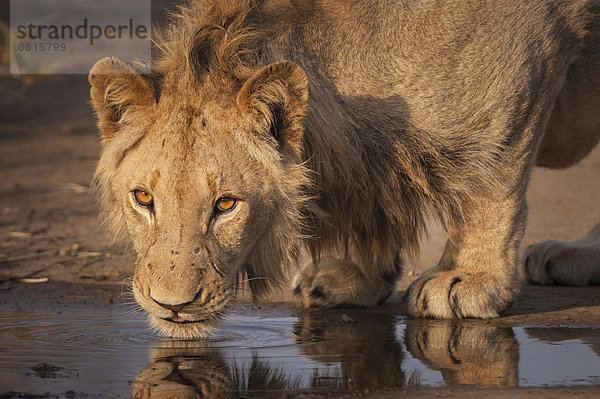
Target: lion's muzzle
{"points": [[185, 296]]}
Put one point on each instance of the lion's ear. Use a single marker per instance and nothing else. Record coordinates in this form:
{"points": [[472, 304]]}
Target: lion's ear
{"points": [[278, 94], [116, 89]]}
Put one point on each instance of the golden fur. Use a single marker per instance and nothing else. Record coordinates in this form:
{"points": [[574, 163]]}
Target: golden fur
{"points": [[338, 127]]}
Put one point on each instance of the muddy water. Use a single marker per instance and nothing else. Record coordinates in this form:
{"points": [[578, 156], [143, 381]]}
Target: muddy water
{"points": [[112, 354]]}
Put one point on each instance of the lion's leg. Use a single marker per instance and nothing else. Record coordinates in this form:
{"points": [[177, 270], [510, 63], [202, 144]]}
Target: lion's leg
{"points": [[477, 273], [342, 283], [565, 263], [573, 129]]}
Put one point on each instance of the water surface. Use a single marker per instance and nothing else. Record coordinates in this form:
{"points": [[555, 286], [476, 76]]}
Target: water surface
{"points": [[113, 354]]}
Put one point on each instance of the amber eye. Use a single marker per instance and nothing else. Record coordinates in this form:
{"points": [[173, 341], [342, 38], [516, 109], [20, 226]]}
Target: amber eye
{"points": [[226, 204], [143, 198]]}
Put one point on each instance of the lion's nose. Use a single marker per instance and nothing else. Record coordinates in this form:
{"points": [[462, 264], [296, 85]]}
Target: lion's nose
{"points": [[176, 308]]}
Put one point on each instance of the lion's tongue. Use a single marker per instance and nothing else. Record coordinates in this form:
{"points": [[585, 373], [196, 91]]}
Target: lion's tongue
{"points": [[177, 319]]}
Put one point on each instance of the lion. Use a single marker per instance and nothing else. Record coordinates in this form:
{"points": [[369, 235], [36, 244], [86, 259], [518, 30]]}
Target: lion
{"points": [[270, 128]]}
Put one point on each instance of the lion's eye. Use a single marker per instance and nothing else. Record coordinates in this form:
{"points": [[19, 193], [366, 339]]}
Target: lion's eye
{"points": [[143, 198], [226, 204]]}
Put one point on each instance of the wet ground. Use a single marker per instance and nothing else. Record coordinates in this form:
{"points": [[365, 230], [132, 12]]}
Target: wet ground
{"points": [[256, 354]]}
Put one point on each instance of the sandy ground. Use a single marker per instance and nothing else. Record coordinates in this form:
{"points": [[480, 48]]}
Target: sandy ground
{"points": [[53, 253]]}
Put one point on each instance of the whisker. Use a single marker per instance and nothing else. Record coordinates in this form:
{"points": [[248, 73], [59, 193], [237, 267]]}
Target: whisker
{"points": [[256, 309], [243, 307], [239, 303], [126, 286], [233, 287], [133, 311], [128, 303], [252, 279], [125, 294]]}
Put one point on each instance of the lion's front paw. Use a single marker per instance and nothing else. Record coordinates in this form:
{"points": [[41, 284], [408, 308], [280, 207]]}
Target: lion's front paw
{"points": [[339, 283], [563, 263], [452, 294]]}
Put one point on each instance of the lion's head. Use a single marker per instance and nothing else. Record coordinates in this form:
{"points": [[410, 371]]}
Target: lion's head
{"points": [[201, 162]]}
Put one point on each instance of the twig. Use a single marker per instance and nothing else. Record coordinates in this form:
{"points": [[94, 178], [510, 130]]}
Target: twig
{"points": [[89, 254], [29, 256], [62, 252], [17, 278], [89, 262]]}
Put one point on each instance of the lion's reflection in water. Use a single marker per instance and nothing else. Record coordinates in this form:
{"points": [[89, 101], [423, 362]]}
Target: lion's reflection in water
{"points": [[182, 370], [353, 352]]}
